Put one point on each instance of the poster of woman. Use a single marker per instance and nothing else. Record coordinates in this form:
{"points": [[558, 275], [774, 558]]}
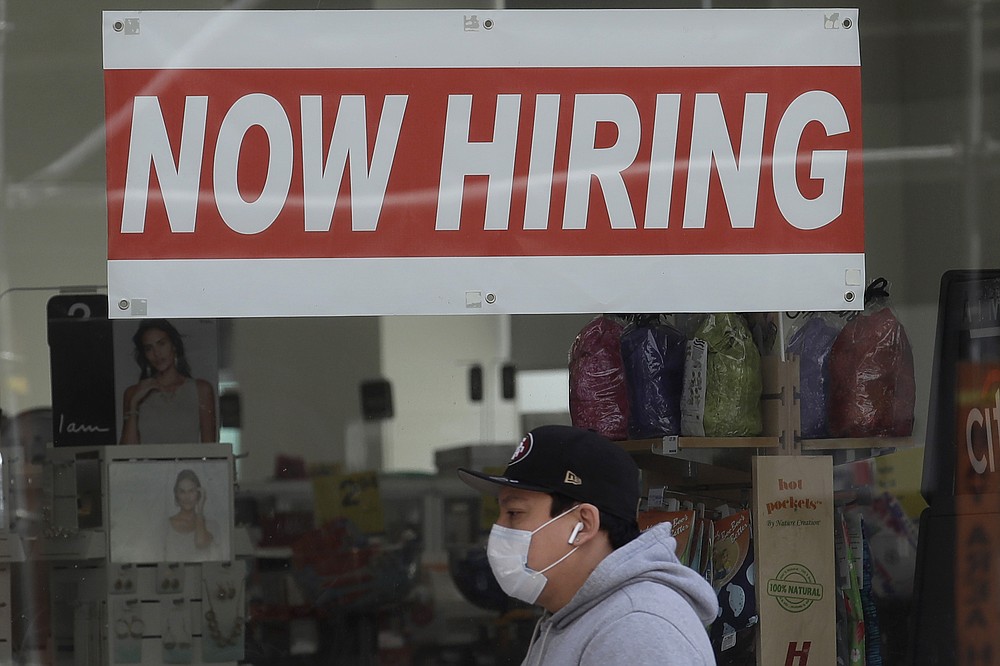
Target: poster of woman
{"points": [[166, 373], [170, 511]]}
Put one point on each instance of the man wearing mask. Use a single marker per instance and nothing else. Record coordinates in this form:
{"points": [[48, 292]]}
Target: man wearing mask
{"points": [[567, 540]]}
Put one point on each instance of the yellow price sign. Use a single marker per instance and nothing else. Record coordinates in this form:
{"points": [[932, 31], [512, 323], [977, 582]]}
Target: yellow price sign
{"points": [[352, 496]]}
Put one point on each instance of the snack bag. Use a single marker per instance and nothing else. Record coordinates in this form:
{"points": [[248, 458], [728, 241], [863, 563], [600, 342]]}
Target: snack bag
{"points": [[707, 569], [698, 553], [734, 581], [598, 397], [653, 357], [872, 387], [733, 380], [850, 612], [812, 343], [682, 527], [858, 540]]}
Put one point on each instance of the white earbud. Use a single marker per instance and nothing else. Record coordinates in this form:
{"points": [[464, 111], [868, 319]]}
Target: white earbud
{"points": [[576, 530]]}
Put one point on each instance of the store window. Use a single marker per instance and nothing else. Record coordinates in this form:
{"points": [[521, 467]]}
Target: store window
{"points": [[332, 441]]}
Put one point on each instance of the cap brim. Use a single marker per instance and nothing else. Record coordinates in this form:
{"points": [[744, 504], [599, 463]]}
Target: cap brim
{"points": [[490, 485]]}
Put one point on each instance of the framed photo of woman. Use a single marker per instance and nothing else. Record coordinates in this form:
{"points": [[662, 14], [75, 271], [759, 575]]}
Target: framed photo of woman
{"points": [[170, 510]]}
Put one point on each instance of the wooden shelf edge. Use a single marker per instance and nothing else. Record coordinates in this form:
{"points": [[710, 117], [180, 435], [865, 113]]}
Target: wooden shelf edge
{"points": [[857, 443], [653, 446]]}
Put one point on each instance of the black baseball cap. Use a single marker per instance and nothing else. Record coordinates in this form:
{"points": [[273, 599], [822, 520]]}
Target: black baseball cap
{"points": [[578, 463]]}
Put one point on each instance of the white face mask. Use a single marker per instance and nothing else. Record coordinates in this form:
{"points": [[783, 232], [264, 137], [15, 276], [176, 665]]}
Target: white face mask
{"points": [[507, 550]]}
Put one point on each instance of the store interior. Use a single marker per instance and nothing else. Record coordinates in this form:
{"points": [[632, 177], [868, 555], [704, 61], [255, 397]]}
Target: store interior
{"points": [[295, 386]]}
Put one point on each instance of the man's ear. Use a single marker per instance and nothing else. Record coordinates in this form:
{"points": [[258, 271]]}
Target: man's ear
{"points": [[590, 518]]}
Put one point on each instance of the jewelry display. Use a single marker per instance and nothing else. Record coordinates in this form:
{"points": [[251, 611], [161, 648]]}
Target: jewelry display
{"points": [[169, 578], [169, 640], [128, 619], [222, 599], [124, 580], [136, 627], [184, 640], [225, 592], [224, 619], [121, 628], [124, 585], [128, 628], [177, 641]]}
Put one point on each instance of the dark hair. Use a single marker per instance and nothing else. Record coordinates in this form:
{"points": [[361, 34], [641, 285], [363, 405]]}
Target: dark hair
{"points": [[186, 475], [620, 531], [145, 370]]}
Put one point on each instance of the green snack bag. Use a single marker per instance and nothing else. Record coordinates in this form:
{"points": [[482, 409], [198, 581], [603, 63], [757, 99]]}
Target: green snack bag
{"points": [[733, 381]]}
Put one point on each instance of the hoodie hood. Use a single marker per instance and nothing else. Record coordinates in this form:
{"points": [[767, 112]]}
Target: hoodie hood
{"points": [[650, 557]]}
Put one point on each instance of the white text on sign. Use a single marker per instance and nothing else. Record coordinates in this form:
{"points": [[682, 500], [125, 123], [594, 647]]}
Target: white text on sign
{"points": [[323, 166]]}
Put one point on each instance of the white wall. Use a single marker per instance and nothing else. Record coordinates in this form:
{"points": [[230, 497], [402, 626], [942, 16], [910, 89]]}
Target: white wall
{"points": [[427, 359], [299, 381], [46, 242]]}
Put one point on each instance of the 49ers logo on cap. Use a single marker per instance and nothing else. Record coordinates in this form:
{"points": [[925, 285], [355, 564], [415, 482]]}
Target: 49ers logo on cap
{"points": [[522, 450]]}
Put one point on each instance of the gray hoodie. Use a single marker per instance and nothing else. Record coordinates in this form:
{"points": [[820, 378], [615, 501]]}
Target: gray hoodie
{"points": [[640, 606]]}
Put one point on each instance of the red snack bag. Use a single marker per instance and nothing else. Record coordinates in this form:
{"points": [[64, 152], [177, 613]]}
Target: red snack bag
{"points": [[598, 395], [872, 388]]}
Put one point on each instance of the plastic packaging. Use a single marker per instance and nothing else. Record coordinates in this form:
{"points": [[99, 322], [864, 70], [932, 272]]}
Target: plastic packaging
{"points": [[734, 580], [851, 615], [598, 395], [872, 387], [873, 632], [693, 390], [653, 357], [733, 379], [812, 343]]}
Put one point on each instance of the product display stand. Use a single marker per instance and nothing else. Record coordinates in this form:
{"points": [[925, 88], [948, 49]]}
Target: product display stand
{"points": [[181, 612], [6, 644], [11, 553], [115, 596], [722, 467]]}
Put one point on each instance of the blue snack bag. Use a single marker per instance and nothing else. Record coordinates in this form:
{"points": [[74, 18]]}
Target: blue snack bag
{"points": [[653, 358]]}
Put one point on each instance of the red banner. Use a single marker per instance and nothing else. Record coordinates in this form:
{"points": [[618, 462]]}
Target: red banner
{"points": [[478, 162], [441, 162]]}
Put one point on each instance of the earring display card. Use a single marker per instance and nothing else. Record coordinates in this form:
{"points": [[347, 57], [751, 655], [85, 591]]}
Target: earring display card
{"points": [[169, 578], [127, 630], [123, 579], [223, 606], [177, 641]]}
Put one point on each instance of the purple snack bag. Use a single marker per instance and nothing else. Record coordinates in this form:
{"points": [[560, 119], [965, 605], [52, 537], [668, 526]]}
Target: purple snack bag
{"points": [[653, 356], [812, 343]]}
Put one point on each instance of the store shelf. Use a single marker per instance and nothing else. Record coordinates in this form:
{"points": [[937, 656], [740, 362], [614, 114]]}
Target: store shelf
{"points": [[82, 545], [684, 457], [665, 446], [714, 458], [849, 443]]}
